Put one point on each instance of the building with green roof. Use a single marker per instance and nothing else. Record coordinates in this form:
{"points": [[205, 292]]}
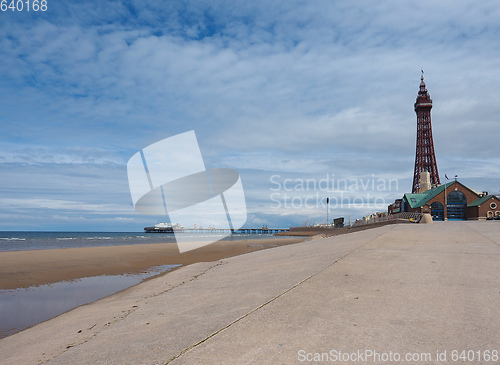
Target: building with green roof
{"points": [[451, 201]]}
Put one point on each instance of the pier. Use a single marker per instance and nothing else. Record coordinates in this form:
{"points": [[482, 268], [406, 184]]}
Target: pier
{"points": [[263, 230]]}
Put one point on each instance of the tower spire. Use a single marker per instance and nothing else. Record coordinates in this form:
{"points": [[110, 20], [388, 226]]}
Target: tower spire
{"points": [[425, 158], [423, 90]]}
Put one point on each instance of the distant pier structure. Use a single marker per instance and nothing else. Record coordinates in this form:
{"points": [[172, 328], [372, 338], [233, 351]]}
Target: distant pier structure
{"points": [[425, 158], [168, 228]]}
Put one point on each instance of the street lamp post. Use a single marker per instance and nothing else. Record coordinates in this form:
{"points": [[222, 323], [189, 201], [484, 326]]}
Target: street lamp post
{"points": [[445, 208], [327, 201]]}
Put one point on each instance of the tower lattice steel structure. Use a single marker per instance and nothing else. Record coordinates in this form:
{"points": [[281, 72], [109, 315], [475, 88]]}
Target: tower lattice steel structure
{"points": [[425, 158]]}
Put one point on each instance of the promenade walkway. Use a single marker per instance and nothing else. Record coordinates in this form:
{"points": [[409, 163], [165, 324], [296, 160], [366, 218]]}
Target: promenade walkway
{"points": [[414, 290]]}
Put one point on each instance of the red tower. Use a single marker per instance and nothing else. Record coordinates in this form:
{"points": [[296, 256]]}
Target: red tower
{"points": [[425, 159]]}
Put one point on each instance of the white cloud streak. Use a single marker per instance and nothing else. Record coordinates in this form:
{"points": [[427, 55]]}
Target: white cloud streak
{"points": [[20, 204]]}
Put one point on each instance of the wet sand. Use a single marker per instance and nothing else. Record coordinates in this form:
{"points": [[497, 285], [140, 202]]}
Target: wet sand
{"points": [[20, 269]]}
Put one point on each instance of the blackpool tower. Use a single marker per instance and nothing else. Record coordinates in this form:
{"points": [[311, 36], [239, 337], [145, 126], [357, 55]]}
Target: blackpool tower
{"points": [[425, 159]]}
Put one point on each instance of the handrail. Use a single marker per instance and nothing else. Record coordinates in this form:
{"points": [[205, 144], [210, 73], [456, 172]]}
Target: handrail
{"points": [[415, 217]]}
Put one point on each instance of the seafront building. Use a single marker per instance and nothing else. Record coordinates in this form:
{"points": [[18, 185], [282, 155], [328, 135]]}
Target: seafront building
{"points": [[451, 201]]}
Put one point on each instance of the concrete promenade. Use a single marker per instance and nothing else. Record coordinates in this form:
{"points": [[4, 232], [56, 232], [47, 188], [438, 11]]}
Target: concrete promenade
{"points": [[407, 290]]}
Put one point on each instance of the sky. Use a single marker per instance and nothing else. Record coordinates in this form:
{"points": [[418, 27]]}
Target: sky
{"points": [[305, 99]]}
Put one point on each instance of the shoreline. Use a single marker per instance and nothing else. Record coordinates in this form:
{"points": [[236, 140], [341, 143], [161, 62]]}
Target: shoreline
{"points": [[22, 269]]}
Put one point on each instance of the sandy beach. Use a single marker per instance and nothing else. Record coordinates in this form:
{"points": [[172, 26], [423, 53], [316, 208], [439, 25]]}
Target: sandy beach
{"points": [[28, 268], [427, 290]]}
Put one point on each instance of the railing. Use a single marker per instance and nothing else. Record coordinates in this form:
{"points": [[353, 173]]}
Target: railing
{"points": [[415, 217], [409, 215]]}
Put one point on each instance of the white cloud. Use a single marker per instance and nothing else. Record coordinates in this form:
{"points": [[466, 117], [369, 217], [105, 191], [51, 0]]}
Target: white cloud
{"points": [[18, 204], [31, 155], [265, 162]]}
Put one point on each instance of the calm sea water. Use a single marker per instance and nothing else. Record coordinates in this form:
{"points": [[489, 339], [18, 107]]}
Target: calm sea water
{"points": [[22, 241], [24, 307]]}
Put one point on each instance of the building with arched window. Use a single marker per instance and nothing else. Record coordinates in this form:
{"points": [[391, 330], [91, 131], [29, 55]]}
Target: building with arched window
{"points": [[452, 201]]}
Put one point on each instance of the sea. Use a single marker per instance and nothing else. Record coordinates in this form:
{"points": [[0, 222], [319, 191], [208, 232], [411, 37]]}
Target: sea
{"points": [[25, 307], [23, 240]]}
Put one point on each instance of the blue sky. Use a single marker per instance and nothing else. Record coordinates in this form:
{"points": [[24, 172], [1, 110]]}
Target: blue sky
{"points": [[276, 90]]}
